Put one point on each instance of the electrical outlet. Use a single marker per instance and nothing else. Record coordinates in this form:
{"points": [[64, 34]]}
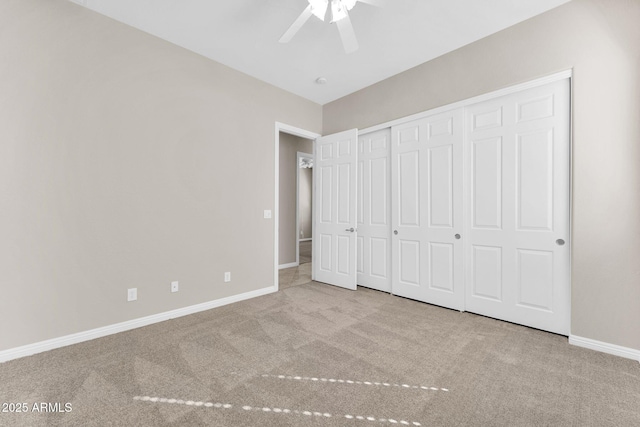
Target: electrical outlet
{"points": [[132, 294], [175, 286], [227, 276], [267, 214]]}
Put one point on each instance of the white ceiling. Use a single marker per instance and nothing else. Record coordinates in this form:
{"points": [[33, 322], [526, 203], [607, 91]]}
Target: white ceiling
{"points": [[243, 34]]}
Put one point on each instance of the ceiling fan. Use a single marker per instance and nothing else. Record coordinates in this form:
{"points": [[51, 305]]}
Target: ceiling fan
{"points": [[339, 14]]}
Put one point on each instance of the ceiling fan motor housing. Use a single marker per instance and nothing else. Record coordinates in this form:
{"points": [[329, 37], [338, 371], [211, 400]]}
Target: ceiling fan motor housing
{"points": [[339, 8]]}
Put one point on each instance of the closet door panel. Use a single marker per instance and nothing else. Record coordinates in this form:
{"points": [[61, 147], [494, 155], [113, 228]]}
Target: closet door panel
{"points": [[335, 209], [409, 188], [374, 225], [440, 186], [427, 210], [518, 239]]}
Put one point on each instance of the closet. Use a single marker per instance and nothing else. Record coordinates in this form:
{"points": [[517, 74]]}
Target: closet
{"points": [[466, 207]]}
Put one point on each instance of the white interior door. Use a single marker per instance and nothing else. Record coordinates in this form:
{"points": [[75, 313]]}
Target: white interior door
{"points": [[374, 210], [427, 255], [518, 240], [334, 239]]}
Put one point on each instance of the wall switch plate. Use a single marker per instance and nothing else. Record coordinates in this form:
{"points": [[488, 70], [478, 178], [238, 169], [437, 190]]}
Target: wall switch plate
{"points": [[227, 276], [132, 294], [175, 286], [267, 214]]}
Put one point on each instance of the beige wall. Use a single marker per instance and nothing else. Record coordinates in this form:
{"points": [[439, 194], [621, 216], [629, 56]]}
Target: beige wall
{"points": [[305, 204], [123, 163], [289, 147], [600, 40]]}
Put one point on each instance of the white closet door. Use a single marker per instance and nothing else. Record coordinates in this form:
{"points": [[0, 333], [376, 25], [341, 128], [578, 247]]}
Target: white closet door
{"points": [[427, 210], [334, 240], [518, 239], [374, 210]]}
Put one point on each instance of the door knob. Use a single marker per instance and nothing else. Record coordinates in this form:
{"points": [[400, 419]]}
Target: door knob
{"points": [[559, 242], [351, 230], [457, 236], [395, 232]]}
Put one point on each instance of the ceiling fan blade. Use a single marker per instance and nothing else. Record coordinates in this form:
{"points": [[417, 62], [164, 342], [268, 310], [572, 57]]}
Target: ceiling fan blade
{"points": [[348, 36], [377, 3], [297, 24]]}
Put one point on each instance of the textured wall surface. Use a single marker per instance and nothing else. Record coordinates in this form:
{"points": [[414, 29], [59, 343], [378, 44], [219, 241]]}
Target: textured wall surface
{"points": [[123, 163]]}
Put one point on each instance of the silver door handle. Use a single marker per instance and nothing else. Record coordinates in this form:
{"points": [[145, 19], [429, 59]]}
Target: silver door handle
{"points": [[560, 242], [395, 232], [457, 236], [351, 230]]}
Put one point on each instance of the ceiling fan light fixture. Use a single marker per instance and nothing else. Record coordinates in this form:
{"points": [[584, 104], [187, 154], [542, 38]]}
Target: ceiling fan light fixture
{"points": [[319, 8], [338, 11], [339, 15]]}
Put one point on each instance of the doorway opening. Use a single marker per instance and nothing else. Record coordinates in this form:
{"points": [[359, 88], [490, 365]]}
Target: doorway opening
{"points": [[294, 214]]}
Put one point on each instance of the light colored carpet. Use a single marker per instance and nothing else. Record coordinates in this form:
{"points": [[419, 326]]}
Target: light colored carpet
{"points": [[317, 355]]}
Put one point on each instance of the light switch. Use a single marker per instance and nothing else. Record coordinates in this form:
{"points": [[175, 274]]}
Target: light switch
{"points": [[267, 214]]}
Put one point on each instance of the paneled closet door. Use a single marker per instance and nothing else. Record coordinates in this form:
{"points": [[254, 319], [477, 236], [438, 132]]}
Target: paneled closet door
{"points": [[427, 255], [518, 242], [334, 240], [374, 210]]}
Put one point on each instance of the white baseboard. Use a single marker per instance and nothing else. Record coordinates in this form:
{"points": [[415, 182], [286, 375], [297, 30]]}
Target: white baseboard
{"points": [[291, 264], [604, 347], [308, 239], [39, 347]]}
